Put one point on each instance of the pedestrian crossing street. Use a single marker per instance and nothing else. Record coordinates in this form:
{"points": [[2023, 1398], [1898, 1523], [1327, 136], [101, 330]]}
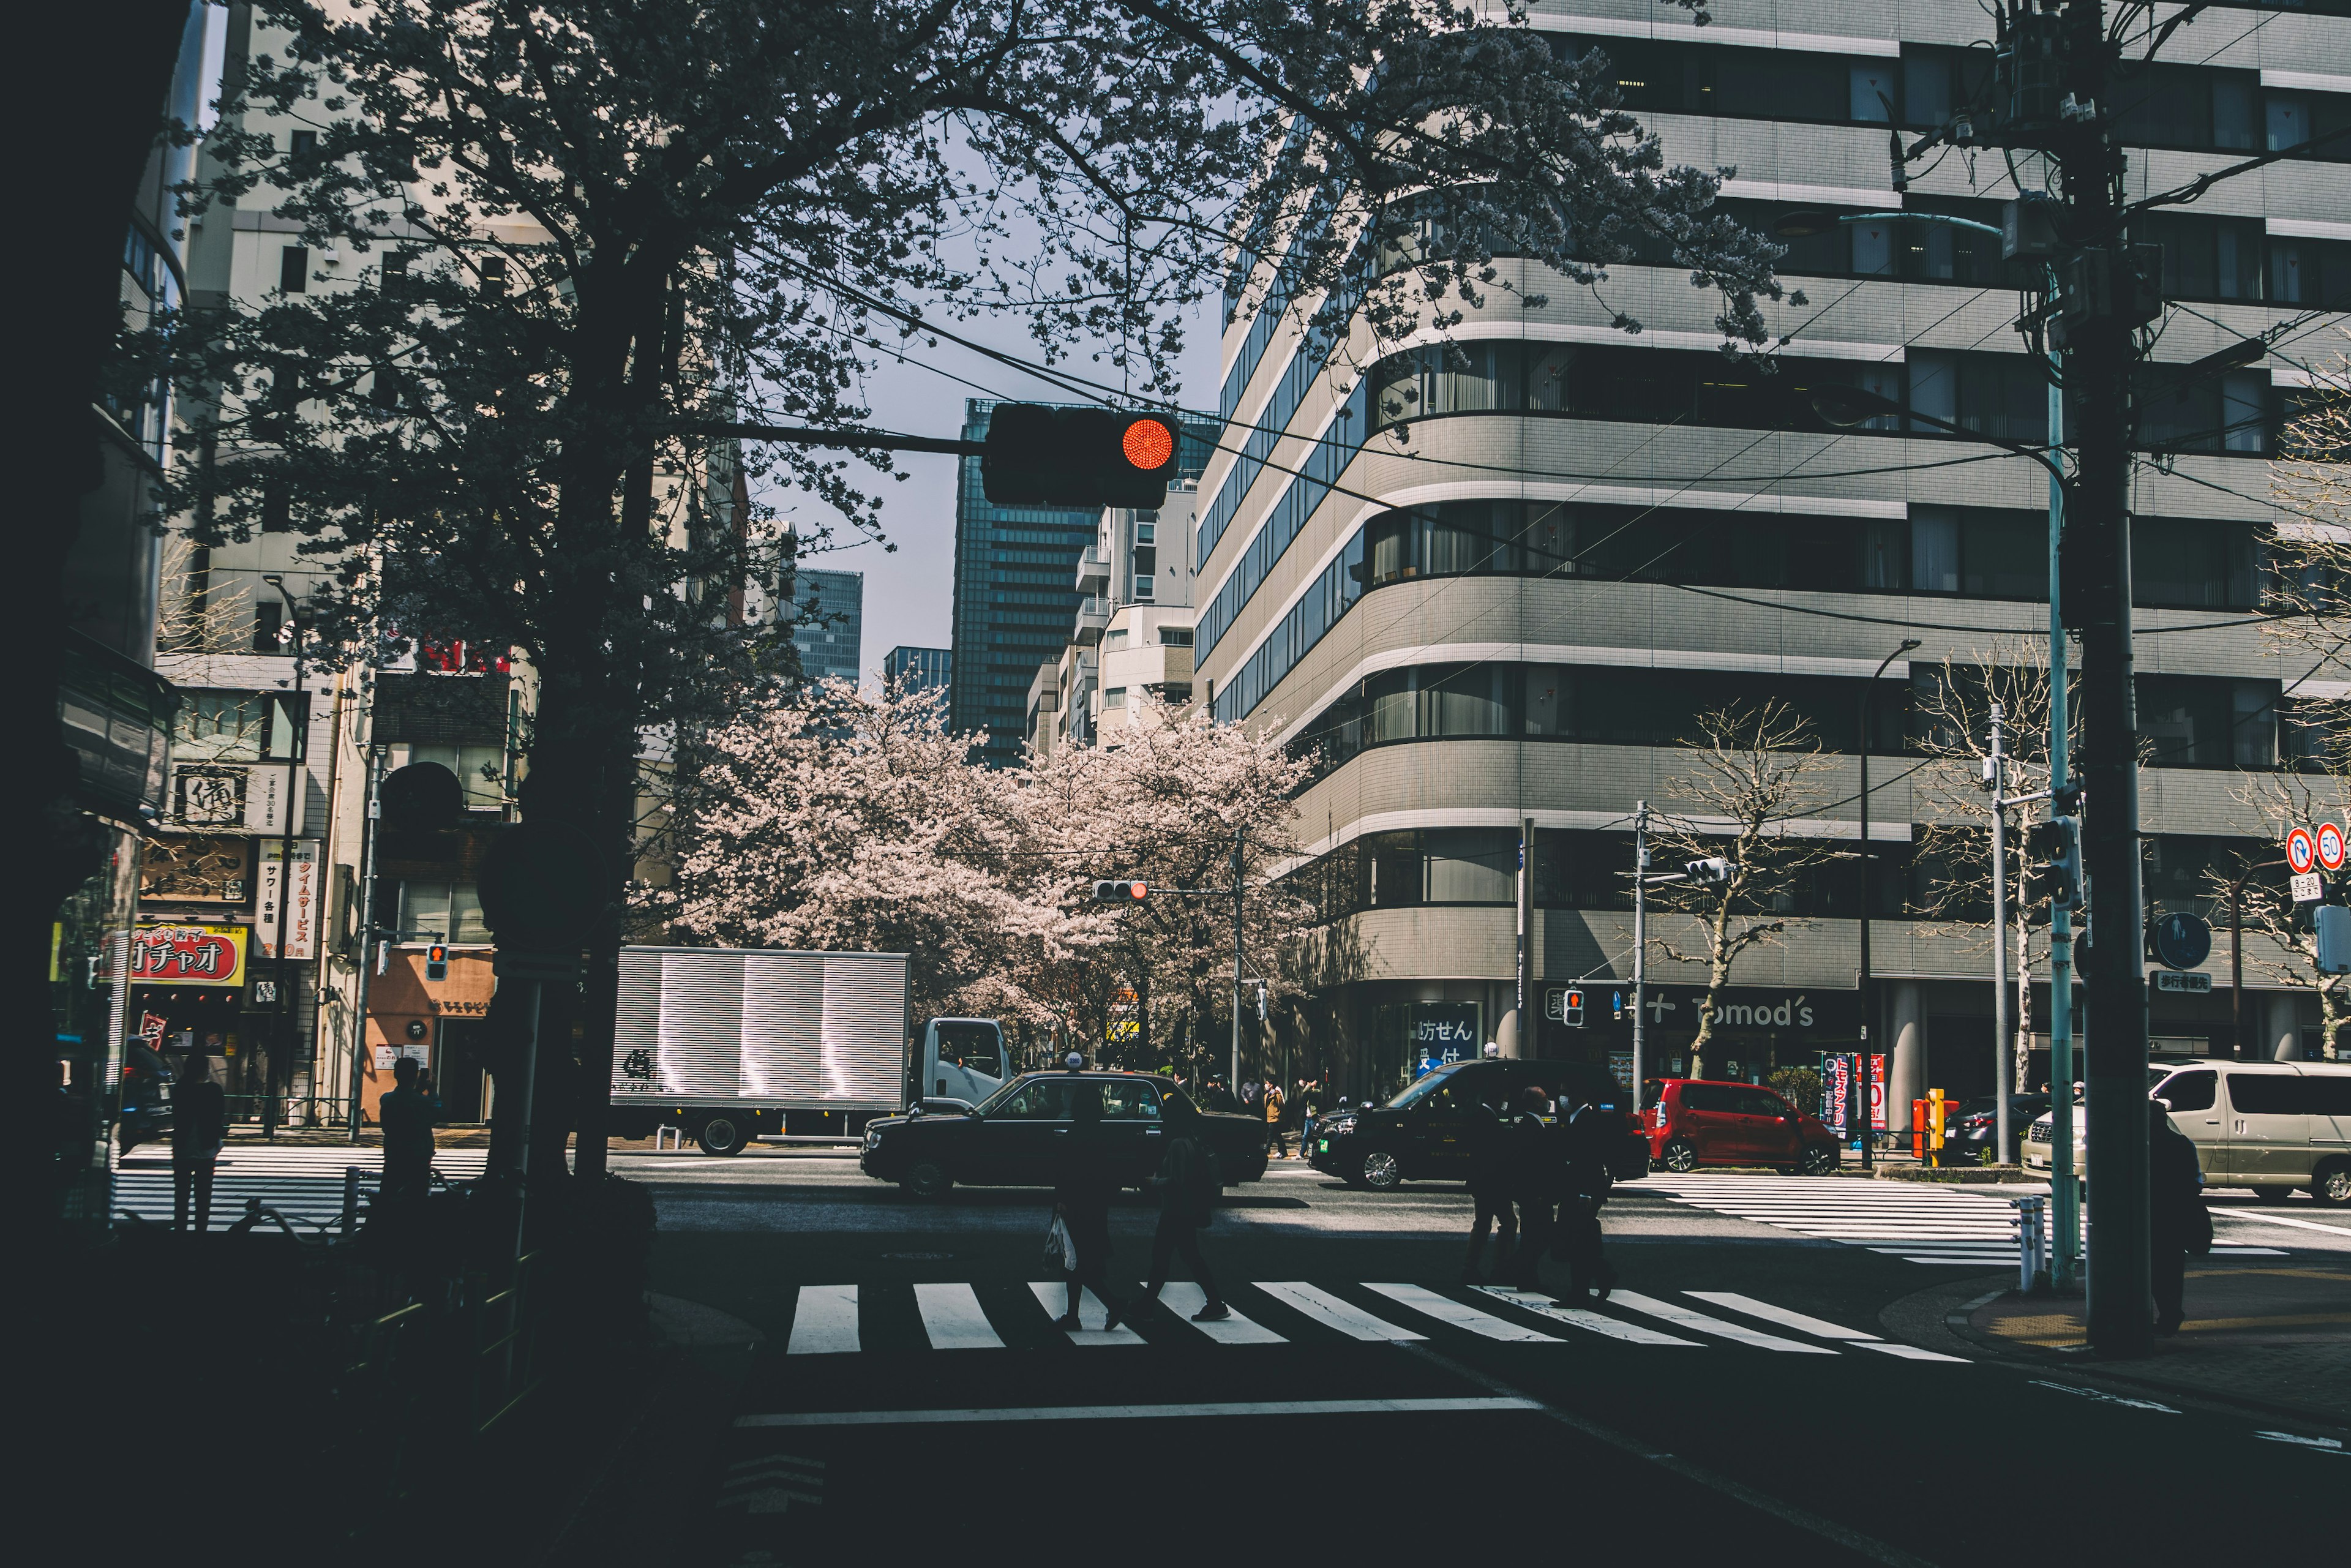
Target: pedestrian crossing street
{"points": [[843, 1320], [303, 1182], [1920, 1223]]}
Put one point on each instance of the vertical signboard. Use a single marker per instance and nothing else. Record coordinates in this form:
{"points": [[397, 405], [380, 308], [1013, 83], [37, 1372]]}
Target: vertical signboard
{"points": [[300, 896]]}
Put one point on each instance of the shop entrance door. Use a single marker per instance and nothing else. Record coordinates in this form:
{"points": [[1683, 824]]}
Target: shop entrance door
{"points": [[460, 1074]]}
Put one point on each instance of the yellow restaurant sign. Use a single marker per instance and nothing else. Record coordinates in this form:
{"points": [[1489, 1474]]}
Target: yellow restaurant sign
{"points": [[188, 956]]}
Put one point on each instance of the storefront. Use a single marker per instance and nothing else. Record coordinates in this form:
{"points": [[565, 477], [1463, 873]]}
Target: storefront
{"points": [[189, 988], [440, 1023], [1758, 1030]]}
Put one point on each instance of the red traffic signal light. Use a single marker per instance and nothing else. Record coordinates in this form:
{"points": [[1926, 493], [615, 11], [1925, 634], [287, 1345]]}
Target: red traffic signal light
{"points": [[436, 962], [1119, 893], [1041, 457]]}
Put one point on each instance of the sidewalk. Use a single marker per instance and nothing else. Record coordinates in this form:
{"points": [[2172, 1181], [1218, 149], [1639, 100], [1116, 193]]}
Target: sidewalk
{"points": [[2273, 1338]]}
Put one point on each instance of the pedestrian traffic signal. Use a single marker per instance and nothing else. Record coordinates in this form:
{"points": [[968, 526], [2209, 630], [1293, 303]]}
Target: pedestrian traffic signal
{"points": [[2055, 847], [436, 962], [1119, 893], [1714, 869], [1040, 456]]}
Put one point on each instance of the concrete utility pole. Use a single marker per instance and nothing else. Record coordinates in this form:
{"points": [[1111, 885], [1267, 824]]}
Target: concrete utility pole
{"points": [[1996, 781], [1525, 1024], [297, 736], [371, 831], [1233, 1084], [1863, 1079], [2065, 1210], [1640, 942]]}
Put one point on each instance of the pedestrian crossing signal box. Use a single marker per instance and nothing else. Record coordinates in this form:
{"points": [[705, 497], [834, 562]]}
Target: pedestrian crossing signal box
{"points": [[1565, 1005], [436, 962]]}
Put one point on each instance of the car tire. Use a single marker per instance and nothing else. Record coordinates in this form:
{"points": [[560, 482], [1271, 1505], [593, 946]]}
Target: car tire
{"points": [[1382, 1171], [1819, 1160], [720, 1135], [2272, 1193], [1681, 1156], [926, 1183], [2332, 1184]]}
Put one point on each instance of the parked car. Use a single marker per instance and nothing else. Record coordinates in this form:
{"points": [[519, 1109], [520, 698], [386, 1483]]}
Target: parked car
{"points": [[1971, 1129], [1419, 1135], [1011, 1138], [2268, 1126], [143, 1114], [1696, 1123]]}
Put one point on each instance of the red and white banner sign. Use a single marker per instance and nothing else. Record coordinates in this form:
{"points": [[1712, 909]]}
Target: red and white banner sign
{"points": [[301, 903]]}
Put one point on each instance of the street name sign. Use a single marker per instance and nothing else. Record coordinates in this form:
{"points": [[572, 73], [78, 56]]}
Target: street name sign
{"points": [[2195, 984]]}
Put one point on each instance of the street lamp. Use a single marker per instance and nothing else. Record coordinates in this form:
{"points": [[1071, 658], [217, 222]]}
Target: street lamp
{"points": [[283, 1053], [1861, 1059]]}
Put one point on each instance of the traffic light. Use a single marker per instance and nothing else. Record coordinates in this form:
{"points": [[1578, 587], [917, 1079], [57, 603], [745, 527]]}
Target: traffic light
{"points": [[1119, 893], [2055, 847], [436, 962], [1714, 869], [1039, 457], [1570, 1008]]}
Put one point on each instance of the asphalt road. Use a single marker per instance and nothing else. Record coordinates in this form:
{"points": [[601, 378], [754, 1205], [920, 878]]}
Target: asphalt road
{"points": [[894, 1382]]}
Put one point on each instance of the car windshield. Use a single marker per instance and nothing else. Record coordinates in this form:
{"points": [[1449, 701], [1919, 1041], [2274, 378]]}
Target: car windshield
{"points": [[1000, 1096], [1420, 1091]]}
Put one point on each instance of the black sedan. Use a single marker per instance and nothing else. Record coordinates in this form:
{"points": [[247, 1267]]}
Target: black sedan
{"points": [[1419, 1135], [1012, 1138], [1971, 1133]]}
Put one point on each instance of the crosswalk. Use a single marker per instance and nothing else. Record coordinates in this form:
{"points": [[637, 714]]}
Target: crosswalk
{"points": [[303, 1182], [847, 1319], [1920, 1223]]}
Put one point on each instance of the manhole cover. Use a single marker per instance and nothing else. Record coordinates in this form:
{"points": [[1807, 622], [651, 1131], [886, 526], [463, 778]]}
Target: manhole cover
{"points": [[919, 1256]]}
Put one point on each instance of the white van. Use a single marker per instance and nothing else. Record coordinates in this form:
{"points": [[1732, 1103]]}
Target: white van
{"points": [[2271, 1126]]}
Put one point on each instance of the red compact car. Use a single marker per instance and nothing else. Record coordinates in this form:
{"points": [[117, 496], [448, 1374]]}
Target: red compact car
{"points": [[1696, 1123]]}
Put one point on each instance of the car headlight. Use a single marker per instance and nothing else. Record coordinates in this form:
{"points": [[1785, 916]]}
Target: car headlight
{"points": [[873, 1137]]}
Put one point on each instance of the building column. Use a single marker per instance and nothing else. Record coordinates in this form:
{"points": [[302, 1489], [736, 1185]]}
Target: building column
{"points": [[2283, 1035], [1906, 1072]]}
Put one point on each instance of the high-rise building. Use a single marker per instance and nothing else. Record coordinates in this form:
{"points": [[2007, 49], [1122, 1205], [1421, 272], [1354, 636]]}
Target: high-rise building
{"points": [[830, 631], [1015, 596], [917, 669], [1512, 625]]}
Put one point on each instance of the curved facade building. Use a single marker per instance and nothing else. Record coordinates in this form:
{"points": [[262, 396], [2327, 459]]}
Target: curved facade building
{"points": [[1490, 591]]}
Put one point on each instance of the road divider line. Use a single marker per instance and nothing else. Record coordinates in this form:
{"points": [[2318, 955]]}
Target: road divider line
{"points": [[1460, 1315], [953, 1318], [1683, 1317], [1183, 1298], [825, 1320], [1141, 1412], [1332, 1312], [1535, 1302]]}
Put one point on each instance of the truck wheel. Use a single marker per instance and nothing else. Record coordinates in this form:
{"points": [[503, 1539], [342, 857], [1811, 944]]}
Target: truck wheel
{"points": [[926, 1182], [2332, 1184], [1382, 1171], [720, 1135], [1681, 1155]]}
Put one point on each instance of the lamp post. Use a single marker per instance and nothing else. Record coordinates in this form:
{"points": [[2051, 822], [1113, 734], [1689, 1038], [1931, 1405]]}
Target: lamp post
{"points": [[1861, 1061], [283, 1065]]}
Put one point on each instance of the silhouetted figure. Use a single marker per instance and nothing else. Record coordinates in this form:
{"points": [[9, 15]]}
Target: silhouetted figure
{"points": [[1490, 1187], [199, 1124], [1587, 1137], [1087, 1177], [405, 1113], [1532, 1172], [2180, 1222], [1186, 1185]]}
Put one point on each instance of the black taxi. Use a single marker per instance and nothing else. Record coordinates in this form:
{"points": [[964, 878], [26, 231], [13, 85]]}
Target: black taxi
{"points": [[1012, 1138], [1422, 1134]]}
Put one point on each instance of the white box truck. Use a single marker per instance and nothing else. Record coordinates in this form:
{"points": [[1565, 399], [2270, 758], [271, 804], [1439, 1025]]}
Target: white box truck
{"points": [[729, 1044]]}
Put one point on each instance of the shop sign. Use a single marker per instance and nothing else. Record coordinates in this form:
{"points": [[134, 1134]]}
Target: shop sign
{"points": [[302, 902], [1444, 1031], [188, 956], [1755, 1009]]}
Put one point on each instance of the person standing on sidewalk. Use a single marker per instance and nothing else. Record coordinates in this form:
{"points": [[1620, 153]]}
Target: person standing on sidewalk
{"points": [[1274, 1130], [1186, 1185], [1083, 1190], [199, 1124], [1531, 1164], [1490, 1185], [1309, 1097], [406, 1116], [2182, 1224]]}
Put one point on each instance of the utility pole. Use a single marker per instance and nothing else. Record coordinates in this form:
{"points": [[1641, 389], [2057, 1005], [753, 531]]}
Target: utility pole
{"points": [[1996, 780], [1640, 942], [370, 830], [1863, 1123], [297, 739], [1233, 1084], [1525, 1023]]}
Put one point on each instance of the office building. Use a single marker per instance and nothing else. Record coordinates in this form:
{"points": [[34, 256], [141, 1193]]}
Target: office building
{"points": [[1593, 537], [917, 669], [830, 629]]}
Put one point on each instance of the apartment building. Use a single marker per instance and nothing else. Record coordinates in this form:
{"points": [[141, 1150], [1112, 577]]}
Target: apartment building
{"points": [[828, 628], [1508, 626]]}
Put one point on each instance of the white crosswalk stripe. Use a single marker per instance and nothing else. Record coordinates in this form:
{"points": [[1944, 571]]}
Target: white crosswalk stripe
{"points": [[954, 1316], [1919, 1224], [304, 1182]]}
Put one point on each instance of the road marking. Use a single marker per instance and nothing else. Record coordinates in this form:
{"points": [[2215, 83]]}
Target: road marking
{"points": [[2327, 1445], [2105, 1398], [1139, 1412], [2279, 1220], [1460, 1315], [951, 1316], [1543, 1306], [774, 1476], [1053, 1295], [825, 1322], [1183, 1298], [1780, 1315], [1329, 1310], [1683, 1317]]}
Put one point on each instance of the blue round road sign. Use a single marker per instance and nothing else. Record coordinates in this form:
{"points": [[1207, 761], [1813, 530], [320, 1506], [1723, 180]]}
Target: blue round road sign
{"points": [[2182, 941]]}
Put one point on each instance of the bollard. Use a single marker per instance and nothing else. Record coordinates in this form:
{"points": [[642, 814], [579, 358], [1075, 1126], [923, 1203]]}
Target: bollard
{"points": [[350, 1199], [2031, 1217]]}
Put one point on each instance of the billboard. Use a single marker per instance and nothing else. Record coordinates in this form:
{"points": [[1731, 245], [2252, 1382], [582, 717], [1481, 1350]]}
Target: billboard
{"points": [[173, 955]]}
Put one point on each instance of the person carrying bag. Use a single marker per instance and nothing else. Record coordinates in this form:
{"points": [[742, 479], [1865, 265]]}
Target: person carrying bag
{"points": [[1186, 1185]]}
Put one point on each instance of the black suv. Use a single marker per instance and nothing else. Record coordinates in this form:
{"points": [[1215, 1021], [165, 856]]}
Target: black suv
{"points": [[1419, 1135]]}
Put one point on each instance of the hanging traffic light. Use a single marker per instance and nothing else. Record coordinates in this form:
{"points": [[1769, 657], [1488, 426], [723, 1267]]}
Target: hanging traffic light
{"points": [[1040, 456], [1714, 869], [1119, 893], [2055, 847], [436, 962]]}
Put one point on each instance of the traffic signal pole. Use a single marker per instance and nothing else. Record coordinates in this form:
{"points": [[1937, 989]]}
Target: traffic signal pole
{"points": [[1239, 836], [2003, 1085], [1640, 942], [2065, 1212], [2100, 351]]}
